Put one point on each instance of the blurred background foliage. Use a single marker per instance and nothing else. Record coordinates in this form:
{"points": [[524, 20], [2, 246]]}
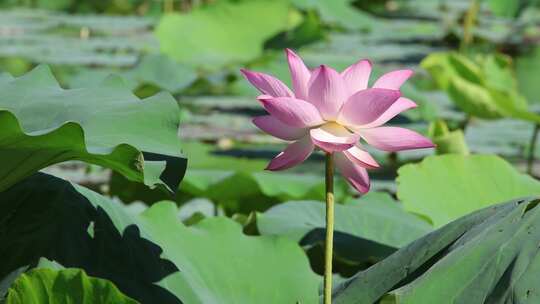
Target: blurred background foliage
{"points": [[476, 79]]}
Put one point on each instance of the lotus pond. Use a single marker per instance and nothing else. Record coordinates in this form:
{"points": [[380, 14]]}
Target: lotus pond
{"points": [[132, 169]]}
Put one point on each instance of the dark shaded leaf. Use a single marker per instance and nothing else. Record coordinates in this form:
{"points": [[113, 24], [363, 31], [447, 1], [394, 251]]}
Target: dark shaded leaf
{"points": [[152, 257]]}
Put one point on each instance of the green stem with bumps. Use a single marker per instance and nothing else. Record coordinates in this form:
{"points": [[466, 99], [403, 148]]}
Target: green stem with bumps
{"points": [[329, 243]]}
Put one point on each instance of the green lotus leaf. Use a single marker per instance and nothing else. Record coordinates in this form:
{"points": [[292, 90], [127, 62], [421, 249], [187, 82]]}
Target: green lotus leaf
{"points": [[445, 187], [222, 32], [229, 185], [66, 286], [151, 257], [42, 124], [483, 86], [447, 141], [489, 256], [339, 12], [527, 66], [376, 223]]}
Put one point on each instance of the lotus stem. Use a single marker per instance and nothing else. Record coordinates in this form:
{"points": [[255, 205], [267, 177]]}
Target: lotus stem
{"points": [[168, 6], [329, 243], [468, 24], [532, 148], [465, 123]]}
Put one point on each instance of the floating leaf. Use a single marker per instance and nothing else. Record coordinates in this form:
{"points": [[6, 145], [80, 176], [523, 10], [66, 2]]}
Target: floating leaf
{"points": [[504, 137], [446, 187], [342, 50], [75, 39], [42, 124]]}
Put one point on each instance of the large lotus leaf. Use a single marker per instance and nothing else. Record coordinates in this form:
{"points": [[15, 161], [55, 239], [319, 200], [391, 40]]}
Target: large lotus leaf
{"points": [[497, 71], [473, 99], [222, 32], [444, 66], [43, 124], [446, 187], [376, 223], [151, 257], [67, 286], [215, 251], [489, 256]]}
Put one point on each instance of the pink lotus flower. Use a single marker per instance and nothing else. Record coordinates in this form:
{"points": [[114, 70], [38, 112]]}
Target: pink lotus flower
{"points": [[333, 111]]}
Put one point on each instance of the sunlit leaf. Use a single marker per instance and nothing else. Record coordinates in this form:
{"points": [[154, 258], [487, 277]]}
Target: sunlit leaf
{"points": [[447, 141], [446, 187], [484, 87], [43, 124], [67, 286]]}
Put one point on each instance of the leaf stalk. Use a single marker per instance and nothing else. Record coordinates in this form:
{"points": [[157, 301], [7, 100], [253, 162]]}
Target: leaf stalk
{"points": [[532, 148]]}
